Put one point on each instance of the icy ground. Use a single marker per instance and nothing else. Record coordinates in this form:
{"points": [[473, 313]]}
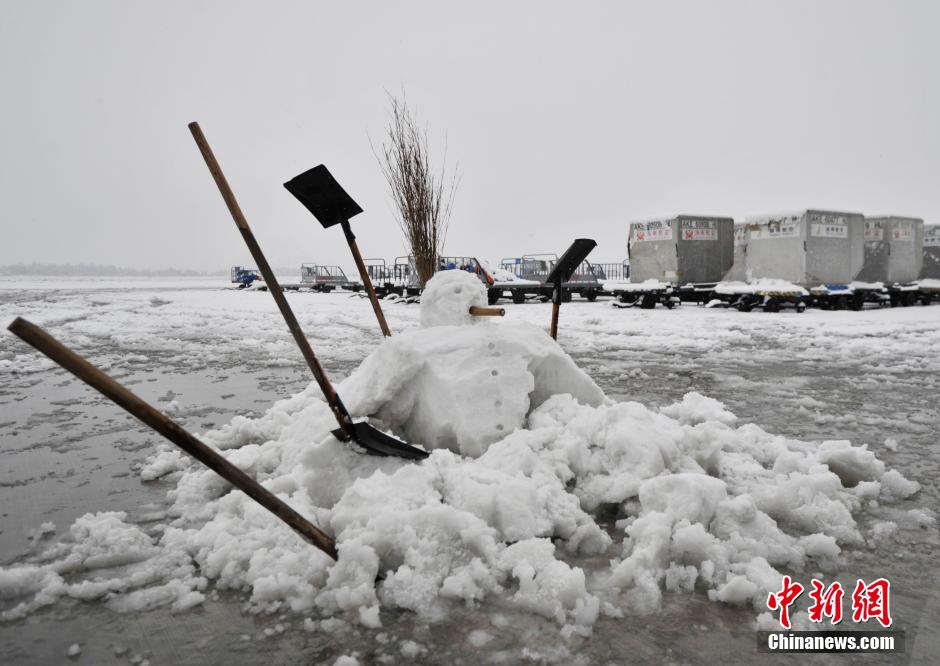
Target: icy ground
{"points": [[206, 354]]}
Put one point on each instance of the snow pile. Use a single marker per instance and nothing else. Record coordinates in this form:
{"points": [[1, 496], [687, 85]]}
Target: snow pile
{"points": [[527, 454], [703, 504], [651, 284], [930, 284], [760, 287], [832, 289], [858, 284], [23, 364], [103, 542]]}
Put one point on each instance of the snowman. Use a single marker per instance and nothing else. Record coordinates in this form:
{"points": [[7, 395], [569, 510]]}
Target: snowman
{"points": [[462, 382]]}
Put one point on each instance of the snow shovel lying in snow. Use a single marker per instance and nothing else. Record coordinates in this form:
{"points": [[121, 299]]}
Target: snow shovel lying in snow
{"points": [[319, 192], [374, 441], [562, 272], [170, 429]]}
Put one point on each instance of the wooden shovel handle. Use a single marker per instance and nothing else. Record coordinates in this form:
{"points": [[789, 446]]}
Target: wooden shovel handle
{"points": [[487, 312], [170, 429], [332, 399], [366, 282]]}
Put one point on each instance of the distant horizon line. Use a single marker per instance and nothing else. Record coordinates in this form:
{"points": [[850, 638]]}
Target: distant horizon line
{"points": [[102, 270]]}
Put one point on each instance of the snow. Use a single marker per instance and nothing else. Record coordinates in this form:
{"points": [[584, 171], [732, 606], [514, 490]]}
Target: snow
{"points": [[928, 283], [462, 382], [760, 287], [448, 297], [479, 637], [614, 286], [708, 502], [509, 280], [166, 461], [495, 517]]}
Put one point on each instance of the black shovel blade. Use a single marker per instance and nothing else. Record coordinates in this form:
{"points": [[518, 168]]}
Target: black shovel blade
{"points": [[570, 260], [377, 443], [319, 192]]}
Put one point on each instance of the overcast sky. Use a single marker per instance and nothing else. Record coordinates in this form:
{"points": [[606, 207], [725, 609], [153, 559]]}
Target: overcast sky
{"points": [[564, 119]]}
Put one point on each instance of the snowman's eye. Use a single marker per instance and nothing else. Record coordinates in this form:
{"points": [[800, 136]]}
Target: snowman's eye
{"points": [[457, 290]]}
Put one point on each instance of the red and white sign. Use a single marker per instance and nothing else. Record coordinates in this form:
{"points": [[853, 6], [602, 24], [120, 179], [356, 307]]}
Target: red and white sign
{"points": [[870, 601], [699, 234], [904, 231], [694, 230], [652, 231]]}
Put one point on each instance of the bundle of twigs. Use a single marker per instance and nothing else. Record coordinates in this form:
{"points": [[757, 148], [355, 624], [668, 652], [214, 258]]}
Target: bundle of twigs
{"points": [[422, 197]]}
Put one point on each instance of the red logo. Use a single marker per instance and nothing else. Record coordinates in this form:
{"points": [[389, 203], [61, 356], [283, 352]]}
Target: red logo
{"points": [[784, 599], [869, 602], [826, 603]]}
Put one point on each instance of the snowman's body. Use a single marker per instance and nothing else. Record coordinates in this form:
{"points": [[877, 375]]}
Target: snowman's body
{"points": [[462, 382]]}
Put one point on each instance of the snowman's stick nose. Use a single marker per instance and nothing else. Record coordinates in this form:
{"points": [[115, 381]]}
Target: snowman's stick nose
{"points": [[486, 312]]}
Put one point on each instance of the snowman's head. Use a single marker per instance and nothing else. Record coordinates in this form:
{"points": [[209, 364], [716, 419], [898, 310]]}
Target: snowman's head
{"points": [[447, 298]]}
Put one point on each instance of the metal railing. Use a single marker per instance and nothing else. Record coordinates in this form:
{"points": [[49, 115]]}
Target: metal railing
{"points": [[612, 271]]}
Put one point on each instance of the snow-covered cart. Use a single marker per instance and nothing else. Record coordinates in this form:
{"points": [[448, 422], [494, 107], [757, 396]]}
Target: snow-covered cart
{"points": [[318, 277], [400, 278], [644, 294], [929, 289], [856, 294], [528, 274], [244, 277], [847, 296], [769, 295], [820, 250]]}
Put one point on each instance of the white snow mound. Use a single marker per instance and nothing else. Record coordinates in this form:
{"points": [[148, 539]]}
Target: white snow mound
{"points": [[462, 382], [527, 454]]}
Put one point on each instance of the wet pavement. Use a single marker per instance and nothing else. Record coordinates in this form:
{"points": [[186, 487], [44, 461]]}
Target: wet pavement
{"points": [[212, 354]]}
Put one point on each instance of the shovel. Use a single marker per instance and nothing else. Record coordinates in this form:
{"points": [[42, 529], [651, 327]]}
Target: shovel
{"points": [[319, 192], [562, 272], [170, 429], [373, 440]]}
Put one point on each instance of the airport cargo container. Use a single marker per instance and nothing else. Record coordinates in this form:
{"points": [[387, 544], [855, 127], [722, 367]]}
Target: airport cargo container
{"points": [[894, 249], [808, 247], [682, 249], [931, 255]]}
